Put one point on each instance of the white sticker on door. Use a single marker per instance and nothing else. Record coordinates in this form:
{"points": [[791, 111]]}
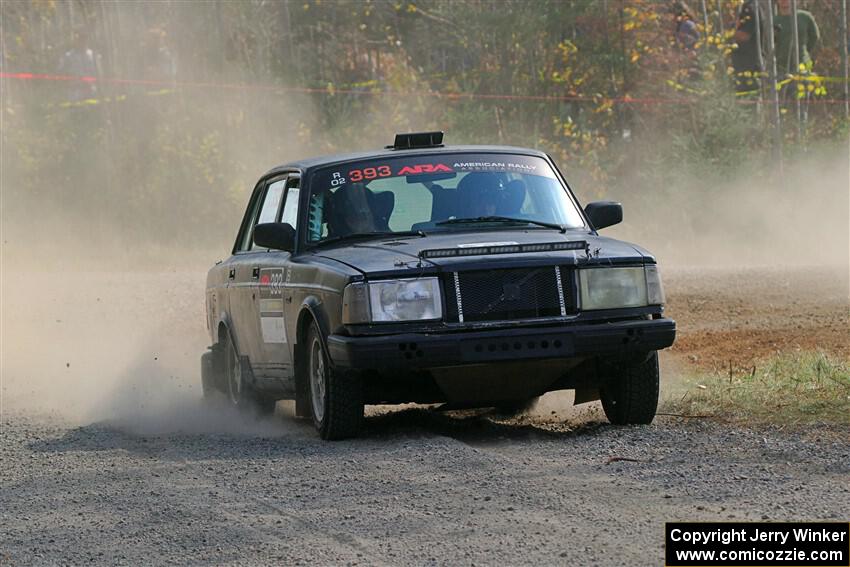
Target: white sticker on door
{"points": [[273, 329]]}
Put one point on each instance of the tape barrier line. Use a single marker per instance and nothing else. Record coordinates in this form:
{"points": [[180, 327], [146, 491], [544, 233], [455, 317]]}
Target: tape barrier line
{"points": [[92, 101], [331, 90]]}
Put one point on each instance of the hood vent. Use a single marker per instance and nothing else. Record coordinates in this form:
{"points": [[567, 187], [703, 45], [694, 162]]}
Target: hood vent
{"points": [[504, 249]]}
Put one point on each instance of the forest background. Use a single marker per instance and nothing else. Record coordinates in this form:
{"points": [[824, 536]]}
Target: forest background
{"points": [[193, 101]]}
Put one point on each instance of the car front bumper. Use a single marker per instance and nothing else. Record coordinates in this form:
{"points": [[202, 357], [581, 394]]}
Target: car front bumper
{"points": [[435, 350]]}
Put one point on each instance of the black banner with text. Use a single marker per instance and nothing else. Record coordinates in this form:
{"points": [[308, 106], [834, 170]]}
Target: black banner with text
{"points": [[744, 544]]}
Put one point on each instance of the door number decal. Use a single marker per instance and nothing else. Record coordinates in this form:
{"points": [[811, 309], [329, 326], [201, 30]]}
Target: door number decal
{"points": [[271, 305]]}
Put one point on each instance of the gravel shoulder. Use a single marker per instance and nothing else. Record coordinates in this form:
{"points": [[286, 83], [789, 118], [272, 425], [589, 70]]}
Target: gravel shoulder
{"points": [[109, 457], [742, 316]]}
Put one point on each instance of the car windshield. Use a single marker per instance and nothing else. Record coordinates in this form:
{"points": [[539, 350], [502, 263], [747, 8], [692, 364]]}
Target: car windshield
{"points": [[437, 192]]}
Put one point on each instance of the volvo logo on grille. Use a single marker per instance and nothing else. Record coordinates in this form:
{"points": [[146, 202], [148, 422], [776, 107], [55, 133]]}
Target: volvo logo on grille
{"points": [[511, 292]]}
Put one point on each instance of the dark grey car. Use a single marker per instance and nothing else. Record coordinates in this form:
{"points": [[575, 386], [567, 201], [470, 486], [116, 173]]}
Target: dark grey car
{"points": [[466, 275]]}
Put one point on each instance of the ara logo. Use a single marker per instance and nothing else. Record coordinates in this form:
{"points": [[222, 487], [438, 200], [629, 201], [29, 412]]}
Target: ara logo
{"points": [[424, 168]]}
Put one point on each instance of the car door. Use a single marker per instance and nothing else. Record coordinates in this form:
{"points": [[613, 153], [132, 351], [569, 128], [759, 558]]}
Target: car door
{"points": [[244, 273], [271, 289]]}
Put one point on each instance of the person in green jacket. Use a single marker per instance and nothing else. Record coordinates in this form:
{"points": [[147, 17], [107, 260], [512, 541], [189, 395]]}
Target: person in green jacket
{"points": [[807, 30]]}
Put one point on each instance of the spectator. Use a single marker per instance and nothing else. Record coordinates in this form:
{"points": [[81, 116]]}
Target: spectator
{"points": [[808, 34], [687, 34], [746, 57], [80, 61]]}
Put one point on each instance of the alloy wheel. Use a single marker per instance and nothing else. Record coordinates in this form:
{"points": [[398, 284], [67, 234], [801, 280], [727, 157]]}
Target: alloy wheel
{"points": [[318, 383], [234, 374]]}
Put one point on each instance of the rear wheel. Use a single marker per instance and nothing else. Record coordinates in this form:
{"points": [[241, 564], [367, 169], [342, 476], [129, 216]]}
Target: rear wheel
{"points": [[336, 397], [210, 375], [237, 386], [631, 396]]}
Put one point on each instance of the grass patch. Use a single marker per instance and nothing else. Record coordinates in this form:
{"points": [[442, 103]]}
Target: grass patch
{"points": [[787, 389]]}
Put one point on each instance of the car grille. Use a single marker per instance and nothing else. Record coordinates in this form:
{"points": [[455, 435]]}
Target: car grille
{"points": [[503, 295]]}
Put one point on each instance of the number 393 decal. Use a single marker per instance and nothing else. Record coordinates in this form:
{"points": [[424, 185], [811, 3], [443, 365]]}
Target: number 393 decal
{"points": [[369, 173], [271, 283]]}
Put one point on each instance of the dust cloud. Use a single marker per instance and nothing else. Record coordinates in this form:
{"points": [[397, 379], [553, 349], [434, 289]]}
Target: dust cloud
{"points": [[117, 337], [114, 203], [800, 217], [111, 216]]}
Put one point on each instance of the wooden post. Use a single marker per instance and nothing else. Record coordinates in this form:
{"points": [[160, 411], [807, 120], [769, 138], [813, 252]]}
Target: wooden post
{"points": [[291, 59], [704, 19], [759, 54], [720, 26], [622, 111], [774, 93], [795, 60], [843, 51]]}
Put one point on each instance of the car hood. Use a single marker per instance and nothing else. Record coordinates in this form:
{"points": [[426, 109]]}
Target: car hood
{"points": [[399, 256]]}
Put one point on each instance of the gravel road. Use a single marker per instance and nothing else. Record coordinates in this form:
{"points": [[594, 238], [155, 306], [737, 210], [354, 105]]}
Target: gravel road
{"points": [[418, 488], [109, 457]]}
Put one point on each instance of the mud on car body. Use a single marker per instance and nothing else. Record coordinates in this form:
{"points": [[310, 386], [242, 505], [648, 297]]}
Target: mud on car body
{"points": [[464, 275]]}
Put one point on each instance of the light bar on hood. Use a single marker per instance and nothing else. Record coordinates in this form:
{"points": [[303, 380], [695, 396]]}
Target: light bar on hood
{"points": [[503, 249]]}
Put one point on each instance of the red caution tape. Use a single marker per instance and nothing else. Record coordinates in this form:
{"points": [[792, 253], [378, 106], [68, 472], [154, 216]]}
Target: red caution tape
{"points": [[330, 90]]}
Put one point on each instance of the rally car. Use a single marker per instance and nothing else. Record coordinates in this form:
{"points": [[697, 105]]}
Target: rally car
{"points": [[462, 275]]}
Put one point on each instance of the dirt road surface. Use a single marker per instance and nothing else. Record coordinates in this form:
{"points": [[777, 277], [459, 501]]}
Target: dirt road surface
{"points": [[108, 456]]}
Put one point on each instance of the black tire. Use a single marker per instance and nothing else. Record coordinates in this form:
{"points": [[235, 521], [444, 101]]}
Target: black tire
{"points": [[336, 397], [516, 407], [237, 385], [631, 396], [210, 377]]}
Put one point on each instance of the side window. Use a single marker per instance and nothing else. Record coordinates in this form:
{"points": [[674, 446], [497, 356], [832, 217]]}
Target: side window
{"points": [[245, 235], [271, 202], [271, 206], [290, 206], [317, 227]]}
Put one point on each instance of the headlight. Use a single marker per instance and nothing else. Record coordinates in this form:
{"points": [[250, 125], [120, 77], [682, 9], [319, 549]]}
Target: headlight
{"points": [[392, 300], [612, 288]]}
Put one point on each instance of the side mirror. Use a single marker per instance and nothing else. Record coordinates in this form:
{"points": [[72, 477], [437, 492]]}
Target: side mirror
{"points": [[604, 213], [276, 235]]}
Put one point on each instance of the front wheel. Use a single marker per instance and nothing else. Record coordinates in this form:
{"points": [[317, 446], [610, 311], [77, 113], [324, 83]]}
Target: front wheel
{"points": [[631, 395], [336, 398]]}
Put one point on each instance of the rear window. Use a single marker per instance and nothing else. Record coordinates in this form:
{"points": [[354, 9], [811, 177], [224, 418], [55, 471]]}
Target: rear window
{"points": [[406, 193]]}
